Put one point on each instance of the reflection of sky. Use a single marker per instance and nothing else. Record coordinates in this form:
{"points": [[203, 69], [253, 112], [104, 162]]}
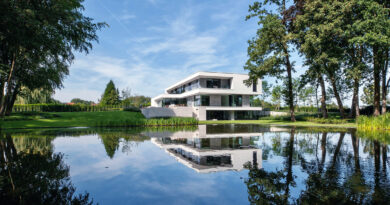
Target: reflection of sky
{"points": [[145, 175]]}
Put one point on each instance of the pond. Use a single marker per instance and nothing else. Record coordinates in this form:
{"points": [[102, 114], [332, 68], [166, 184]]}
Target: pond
{"points": [[207, 164]]}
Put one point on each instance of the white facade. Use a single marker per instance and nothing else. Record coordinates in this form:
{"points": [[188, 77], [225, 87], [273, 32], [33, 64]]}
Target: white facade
{"points": [[208, 95]]}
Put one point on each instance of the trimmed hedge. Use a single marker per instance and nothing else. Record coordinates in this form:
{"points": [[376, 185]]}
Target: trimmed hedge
{"points": [[64, 108]]}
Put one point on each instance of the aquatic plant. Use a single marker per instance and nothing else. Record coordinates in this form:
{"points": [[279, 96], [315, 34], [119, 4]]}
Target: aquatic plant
{"points": [[381, 122]]}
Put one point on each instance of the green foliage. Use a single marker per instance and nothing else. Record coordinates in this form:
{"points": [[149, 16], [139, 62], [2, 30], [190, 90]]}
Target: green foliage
{"points": [[276, 96], [35, 96], [80, 101], [65, 108], [37, 41], [110, 95], [136, 101], [368, 95], [131, 109], [327, 120], [381, 122]]}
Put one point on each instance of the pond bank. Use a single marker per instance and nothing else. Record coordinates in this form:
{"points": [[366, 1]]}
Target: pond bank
{"points": [[281, 122], [131, 119], [88, 119]]}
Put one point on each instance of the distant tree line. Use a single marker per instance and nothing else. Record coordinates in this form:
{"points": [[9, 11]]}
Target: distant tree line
{"points": [[344, 44], [111, 96], [42, 101]]}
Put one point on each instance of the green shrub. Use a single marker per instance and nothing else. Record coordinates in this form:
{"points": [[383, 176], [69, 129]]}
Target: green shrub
{"points": [[327, 120], [132, 109], [65, 108]]}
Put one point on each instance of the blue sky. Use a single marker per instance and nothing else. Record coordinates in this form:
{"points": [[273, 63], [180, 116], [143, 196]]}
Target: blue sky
{"points": [[151, 44]]}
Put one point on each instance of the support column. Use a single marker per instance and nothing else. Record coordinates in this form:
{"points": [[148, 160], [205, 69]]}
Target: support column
{"points": [[232, 117]]}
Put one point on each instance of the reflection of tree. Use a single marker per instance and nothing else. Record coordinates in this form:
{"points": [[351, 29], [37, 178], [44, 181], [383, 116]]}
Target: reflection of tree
{"points": [[335, 172], [272, 187], [33, 145], [112, 141], [35, 178]]}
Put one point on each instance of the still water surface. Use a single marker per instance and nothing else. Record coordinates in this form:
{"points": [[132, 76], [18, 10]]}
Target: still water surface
{"points": [[213, 164]]}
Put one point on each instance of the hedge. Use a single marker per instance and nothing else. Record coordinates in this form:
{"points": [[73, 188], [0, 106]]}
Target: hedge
{"points": [[65, 108]]}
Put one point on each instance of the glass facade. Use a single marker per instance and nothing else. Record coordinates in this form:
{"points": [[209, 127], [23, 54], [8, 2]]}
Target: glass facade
{"points": [[205, 100], [235, 100], [213, 83], [185, 88], [247, 115], [207, 83], [174, 101], [218, 115], [201, 100]]}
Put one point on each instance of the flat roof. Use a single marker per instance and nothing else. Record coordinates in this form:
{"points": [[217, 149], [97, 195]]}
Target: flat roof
{"points": [[202, 73]]}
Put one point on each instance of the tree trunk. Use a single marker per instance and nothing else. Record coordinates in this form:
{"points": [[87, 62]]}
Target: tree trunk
{"points": [[11, 103], [338, 147], [323, 97], [2, 87], [290, 86], [355, 146], [355, 100], [384, 87], [289, 176], [323, 150], [337, 95], [9, 88], [377, 69]]}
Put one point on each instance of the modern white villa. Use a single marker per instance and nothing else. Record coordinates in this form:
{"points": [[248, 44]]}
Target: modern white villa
{"points": [[208, 96]]}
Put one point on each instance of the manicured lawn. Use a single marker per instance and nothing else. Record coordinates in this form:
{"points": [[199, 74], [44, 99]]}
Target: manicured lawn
{"points": [[87, 119], [280, 122], [121, 118]]}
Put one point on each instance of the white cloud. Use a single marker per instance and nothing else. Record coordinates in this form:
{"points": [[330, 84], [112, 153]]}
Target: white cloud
{"points": [[127, 17], [161, 52]]}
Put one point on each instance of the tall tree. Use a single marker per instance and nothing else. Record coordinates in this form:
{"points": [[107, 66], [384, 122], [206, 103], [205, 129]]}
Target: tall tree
{"points": [[374, 27], [37, 41], [269, 52], [110, 95], [321, 27]]}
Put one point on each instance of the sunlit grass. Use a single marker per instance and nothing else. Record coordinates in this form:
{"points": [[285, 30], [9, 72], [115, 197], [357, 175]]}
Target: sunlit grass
{"points": [[89, 119], [381, 122]]}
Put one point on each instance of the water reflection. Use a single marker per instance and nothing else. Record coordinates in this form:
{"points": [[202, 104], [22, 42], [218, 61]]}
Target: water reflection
{"points": [[211, 151], [30, 173], [331, 168], [265, 165]]}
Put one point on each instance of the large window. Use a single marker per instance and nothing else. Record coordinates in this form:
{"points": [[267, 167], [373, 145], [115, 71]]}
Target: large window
{"points": [[197, 100], [205, 100], [201, 100], [254, 86], [247, 115], [219, 115], [178, 102], [225, 100], [213, 83], [235, 100]]}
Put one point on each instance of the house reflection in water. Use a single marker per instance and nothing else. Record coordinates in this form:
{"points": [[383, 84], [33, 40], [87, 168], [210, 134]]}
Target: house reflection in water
{"points": [[205, 150]]}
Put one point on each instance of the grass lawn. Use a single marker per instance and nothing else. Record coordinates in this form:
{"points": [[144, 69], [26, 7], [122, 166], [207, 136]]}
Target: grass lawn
{"points": [[66, 119], [86, 119], [121, 118], [281, 122]]}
